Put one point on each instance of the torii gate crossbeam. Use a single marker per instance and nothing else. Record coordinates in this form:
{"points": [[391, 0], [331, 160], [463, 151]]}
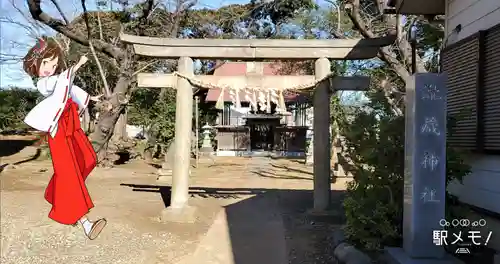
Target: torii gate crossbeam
{"points": [[258, 49]]}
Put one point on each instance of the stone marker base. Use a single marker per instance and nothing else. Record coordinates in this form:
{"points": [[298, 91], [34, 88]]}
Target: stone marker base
{"points": [[399, 256], [345, 253], [496, 259], [186, 214]]}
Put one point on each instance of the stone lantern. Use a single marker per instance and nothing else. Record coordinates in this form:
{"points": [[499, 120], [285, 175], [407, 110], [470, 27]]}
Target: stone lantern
{"points": [[206, 146]]}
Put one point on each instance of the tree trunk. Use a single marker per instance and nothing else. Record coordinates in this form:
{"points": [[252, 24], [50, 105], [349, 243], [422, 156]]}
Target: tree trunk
{"points": [[86, 121], [112, 109], [120, 131], [150, 149]]}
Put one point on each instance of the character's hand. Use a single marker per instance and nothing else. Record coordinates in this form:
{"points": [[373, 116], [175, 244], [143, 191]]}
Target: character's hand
{"points": [[83, 60], [96, 98]]}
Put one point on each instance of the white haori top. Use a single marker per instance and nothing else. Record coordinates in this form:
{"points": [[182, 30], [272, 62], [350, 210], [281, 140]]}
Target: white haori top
{"points": [[57, 90]]}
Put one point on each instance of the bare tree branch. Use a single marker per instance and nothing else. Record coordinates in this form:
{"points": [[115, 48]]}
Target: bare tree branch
{"points": [[179, 10], [60, 11], [144, 67], [59, 26], [36, 25], [337, 33], [393, 96], [6, 58], [385, 54], [148, 7], [31, 31], [107, 90], [101, 36]]}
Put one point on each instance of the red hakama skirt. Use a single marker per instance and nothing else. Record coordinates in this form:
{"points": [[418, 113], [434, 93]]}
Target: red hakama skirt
{"points": [[73, 158]]}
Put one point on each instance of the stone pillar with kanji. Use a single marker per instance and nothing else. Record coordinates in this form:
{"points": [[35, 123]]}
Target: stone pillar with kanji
{"points": [[425, 171]]}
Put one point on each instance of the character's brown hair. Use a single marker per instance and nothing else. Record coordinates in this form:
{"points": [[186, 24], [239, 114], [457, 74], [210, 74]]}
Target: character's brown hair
{"points": [[43, 49]]}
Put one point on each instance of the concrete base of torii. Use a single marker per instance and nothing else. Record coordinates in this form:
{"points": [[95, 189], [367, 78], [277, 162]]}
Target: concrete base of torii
{"points": [[185, 214]]}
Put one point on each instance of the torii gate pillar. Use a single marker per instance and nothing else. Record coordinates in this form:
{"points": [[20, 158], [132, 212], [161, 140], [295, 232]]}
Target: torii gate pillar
{"points": [[183, 127], [321, 134]]}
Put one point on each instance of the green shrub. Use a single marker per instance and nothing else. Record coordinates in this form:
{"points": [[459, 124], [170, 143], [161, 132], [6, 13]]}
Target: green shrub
{"points": [[154, 110], [15, 103], [375, 147]]}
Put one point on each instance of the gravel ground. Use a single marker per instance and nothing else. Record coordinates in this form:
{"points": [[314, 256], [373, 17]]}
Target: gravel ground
{"points": [[134, 234], [310, 237]]}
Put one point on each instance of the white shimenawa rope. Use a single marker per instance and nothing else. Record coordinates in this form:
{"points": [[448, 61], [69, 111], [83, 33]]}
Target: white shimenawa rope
{"points": [[276, 97], [298, 88]]}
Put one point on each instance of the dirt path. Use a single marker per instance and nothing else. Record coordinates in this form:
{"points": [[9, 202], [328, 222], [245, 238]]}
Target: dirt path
{"points": [[248, 211]]}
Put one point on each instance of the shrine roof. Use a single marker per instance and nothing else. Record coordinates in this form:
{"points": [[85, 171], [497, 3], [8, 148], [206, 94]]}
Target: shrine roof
{"points": [[240, 68]]}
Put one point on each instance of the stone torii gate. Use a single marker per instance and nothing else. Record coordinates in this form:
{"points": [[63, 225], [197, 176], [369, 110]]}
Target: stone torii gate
{"points": [[323, 83]]}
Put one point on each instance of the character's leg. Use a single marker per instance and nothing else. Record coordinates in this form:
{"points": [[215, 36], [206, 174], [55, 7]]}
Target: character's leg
{"points": [[92, 229], [86, 155], [86, 159], [67, 190], [49, 191]]}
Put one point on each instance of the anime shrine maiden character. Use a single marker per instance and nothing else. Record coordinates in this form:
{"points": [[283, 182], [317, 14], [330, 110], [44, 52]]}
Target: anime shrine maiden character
{"points": [[73, 157]]}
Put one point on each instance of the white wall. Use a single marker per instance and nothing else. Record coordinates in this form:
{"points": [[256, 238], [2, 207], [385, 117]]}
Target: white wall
{"points": [[473, 15], [135, 132], [482, 187]]}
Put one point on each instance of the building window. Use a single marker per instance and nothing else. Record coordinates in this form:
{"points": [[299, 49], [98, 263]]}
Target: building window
{"points": [[300, 114]]}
